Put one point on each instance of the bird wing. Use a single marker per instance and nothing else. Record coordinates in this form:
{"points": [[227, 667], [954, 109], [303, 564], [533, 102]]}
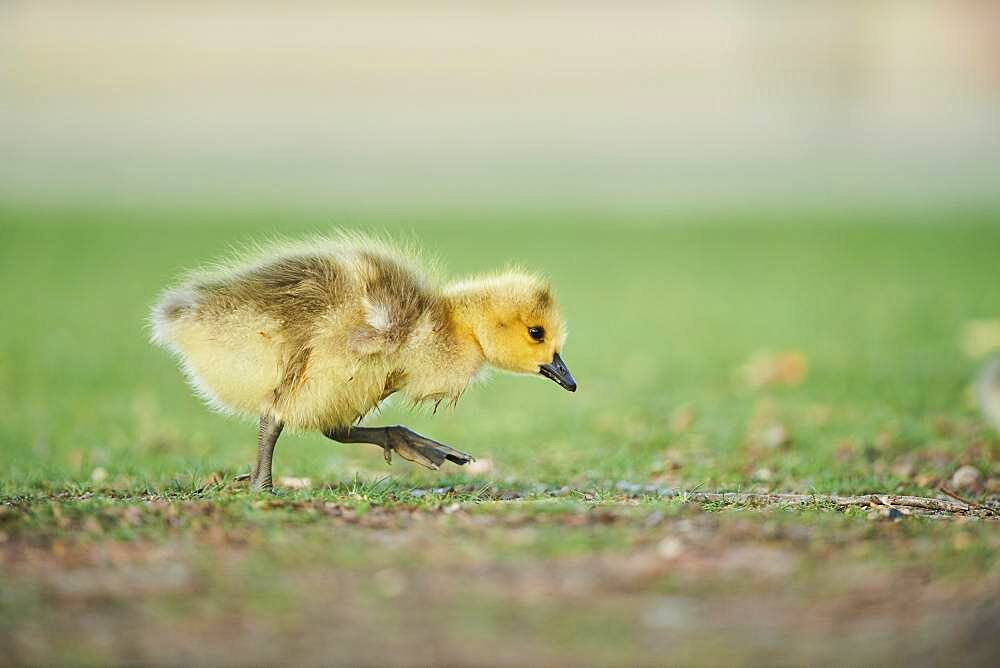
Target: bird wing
{"points": [[383, 330]]}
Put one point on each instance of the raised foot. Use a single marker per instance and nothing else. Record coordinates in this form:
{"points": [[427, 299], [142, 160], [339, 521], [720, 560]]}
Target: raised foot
{"points": [[421, 450]]}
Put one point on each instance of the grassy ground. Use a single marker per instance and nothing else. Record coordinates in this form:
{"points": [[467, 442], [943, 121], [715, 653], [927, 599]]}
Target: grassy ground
{"points": [[815, 354]]}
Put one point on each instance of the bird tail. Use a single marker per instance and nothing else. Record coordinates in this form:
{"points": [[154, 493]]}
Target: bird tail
{"points": [[171, 307]]}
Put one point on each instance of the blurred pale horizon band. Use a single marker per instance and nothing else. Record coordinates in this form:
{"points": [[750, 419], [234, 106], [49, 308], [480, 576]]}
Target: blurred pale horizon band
{"points": [[640, 104]]}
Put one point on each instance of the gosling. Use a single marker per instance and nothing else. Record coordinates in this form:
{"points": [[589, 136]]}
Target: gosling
{"points": [[316, 335]]}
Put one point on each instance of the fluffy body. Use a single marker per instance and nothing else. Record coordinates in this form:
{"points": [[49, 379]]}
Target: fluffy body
{"points": [[317, 334]]}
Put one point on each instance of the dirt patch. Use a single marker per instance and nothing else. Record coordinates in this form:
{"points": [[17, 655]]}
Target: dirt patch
{"points": [[477, 584]]}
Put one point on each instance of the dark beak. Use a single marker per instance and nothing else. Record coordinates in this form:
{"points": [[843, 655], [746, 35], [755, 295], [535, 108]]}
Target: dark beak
{"points": [[557, 371]]}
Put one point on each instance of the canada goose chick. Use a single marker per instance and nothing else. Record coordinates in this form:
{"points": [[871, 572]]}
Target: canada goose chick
{"points": [[314, 336]]}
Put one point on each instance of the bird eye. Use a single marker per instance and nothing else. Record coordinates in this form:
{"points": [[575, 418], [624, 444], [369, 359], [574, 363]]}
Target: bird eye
{"points": [[537, 333]]}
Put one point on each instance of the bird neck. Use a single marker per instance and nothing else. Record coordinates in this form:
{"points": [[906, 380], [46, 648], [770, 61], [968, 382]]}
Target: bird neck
{"points": [[467, 303]]}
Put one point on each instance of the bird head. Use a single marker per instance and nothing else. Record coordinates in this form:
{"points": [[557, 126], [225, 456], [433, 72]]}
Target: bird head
{"points": [[518, 325]]}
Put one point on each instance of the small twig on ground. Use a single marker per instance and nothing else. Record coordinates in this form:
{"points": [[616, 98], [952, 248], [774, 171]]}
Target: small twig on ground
{"points": [[919, 502], [972, 504]]}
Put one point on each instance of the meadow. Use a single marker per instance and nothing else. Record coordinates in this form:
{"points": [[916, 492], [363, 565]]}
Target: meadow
{"points": [[813, 352]]}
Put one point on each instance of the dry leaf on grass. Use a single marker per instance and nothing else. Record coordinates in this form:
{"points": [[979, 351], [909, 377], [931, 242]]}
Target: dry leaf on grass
{"points": [[682, 419], [845, 450], [216, 478], [294, 483], [480, 467], [765, 431], [774, 436], [672, 461], [788, 367], [904, 467]]}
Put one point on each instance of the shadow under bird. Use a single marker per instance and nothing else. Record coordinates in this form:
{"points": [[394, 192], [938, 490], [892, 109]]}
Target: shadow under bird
{"points": [[315, 335]]}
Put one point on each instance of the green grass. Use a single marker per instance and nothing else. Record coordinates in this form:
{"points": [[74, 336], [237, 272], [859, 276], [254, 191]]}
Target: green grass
{"points": [[662, 315], [122, 539]]}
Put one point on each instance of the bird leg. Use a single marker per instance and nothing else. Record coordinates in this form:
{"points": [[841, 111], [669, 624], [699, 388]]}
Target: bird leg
{"points": [[267, 436], [409, 444]]}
